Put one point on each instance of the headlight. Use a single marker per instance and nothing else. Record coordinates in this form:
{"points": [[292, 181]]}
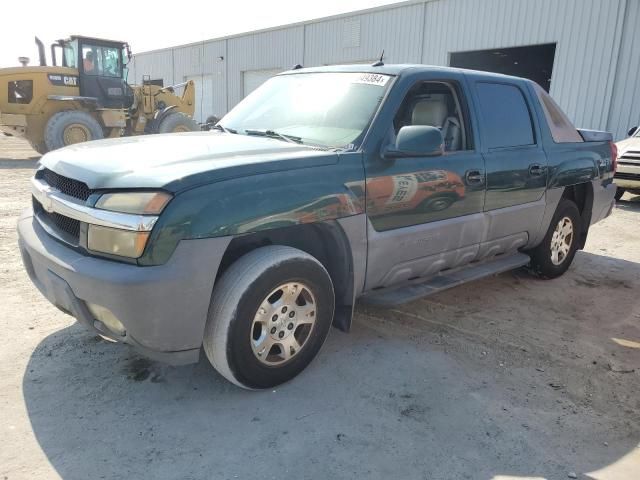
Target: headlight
{"points": [[125, 243], [139, 203]]}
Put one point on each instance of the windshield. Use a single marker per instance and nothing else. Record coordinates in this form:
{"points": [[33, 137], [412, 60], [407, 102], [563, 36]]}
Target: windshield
{"points": [[326, 109]]}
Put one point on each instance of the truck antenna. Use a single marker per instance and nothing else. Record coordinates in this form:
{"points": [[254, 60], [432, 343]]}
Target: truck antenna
{"points": [[379, 63]]}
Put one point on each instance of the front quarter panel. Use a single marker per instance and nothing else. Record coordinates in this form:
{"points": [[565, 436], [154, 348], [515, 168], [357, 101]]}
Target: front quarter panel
{"points": [[260, 202]]}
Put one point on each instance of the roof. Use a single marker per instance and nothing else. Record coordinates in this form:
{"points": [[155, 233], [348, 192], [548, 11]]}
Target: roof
{"points": [[101, 40], [399, 69]]}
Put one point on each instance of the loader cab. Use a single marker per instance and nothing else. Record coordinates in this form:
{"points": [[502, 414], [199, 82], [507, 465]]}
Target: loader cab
{"points": [[100, 65]]}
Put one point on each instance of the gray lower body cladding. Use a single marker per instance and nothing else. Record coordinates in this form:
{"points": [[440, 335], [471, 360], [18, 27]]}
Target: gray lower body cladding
{"points": [[163, 308]]}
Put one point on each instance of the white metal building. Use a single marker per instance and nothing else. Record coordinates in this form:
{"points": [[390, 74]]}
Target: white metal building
{"points": [[587, 51]]}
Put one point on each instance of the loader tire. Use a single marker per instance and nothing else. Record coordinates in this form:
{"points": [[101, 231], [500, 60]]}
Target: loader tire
{"points": [[41, 148], [70, 127], [178, 122]]}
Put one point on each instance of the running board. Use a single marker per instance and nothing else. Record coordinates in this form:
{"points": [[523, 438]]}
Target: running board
{"points": [[418, 288]]}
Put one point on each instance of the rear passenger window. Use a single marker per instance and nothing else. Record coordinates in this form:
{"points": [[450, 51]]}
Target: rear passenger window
{"points": [[505, 116]]}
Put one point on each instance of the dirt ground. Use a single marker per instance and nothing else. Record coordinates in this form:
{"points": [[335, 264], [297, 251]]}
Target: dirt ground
{"points": [[507, 377]]}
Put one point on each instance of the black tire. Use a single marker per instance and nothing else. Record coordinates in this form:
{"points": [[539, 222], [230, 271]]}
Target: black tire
{"points": [[178, 122], [237, 297], [541, 261], [437, 203], [619, 193], [41, 148], [60, 129]]}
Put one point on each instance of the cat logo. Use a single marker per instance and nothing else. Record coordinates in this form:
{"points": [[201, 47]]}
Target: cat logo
{"points": [[63, 80]]}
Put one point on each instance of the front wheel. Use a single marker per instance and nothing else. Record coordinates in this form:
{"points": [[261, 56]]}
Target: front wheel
{"points": [[619, 193], [554, 255], [176, 122], [41, 148], [270, 313]]}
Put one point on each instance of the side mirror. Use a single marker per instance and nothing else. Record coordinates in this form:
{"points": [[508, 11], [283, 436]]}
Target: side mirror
{"points": [[632, 130], [417, 141], [127, 50]]}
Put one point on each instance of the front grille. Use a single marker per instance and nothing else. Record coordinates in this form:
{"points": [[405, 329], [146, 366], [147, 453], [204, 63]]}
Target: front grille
{"points": [[69, 226], [68, 186], [627, 176]]}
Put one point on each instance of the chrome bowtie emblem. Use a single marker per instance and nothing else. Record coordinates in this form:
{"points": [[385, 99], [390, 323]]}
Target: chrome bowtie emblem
{"points": [[47, 204]]}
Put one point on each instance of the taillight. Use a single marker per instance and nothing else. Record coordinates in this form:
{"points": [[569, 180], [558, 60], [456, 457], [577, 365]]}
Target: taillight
{"points": [[614, 156]]}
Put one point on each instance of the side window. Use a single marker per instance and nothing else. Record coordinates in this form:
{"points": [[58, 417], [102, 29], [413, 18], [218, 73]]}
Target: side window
{"points": [[20, 91], [70, 54], [435, 104], [102, 61], [506, 121], [562, 130]]}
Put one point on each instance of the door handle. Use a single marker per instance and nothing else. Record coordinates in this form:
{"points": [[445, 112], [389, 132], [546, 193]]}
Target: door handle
{"points": [[474, 177], [536, 169]]}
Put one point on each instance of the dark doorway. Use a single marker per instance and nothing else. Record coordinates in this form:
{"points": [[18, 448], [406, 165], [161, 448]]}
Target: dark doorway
{"points": [[534, 62]]}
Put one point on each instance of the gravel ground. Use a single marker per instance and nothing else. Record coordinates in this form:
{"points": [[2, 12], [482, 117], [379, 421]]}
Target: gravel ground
{"points": [[508, 377]]}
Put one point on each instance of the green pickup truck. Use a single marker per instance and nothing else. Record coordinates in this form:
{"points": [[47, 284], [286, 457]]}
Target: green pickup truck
{"points": [[325, 186]]}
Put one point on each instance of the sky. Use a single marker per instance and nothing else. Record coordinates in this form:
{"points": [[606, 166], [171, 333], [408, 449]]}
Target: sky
{"points": [[149, 25]]}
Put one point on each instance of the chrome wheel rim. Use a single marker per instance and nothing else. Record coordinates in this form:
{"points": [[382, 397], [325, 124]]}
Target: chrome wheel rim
{"points": [[283, 323], [561, 241], [440, 204]]}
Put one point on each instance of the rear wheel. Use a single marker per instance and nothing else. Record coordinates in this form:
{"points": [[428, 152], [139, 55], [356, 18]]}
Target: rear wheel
{"points": [[177, 122], [554, 255], [270, 313], [619, 193], [69, 128]]}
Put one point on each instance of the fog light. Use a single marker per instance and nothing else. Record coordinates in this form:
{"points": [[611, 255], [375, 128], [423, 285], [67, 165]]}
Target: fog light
{"points": [[107, 317]]}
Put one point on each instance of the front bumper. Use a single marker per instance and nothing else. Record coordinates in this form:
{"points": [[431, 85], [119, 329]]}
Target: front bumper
{"points": [[163, 308], [628, 176]]}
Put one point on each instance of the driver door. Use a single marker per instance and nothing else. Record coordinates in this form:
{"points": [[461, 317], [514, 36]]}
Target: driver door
{"points": [[101, 75], [426, 212]]}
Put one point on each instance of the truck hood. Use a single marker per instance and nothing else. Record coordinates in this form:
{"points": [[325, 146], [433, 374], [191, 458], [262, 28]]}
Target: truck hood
{"points": [[179, 161]]}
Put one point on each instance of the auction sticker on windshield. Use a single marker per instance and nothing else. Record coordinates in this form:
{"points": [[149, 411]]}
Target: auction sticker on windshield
{"points": [[373, 79]]}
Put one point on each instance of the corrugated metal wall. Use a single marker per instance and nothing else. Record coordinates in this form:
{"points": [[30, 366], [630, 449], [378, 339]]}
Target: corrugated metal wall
{"points": [[594, 76], [625, 105], [584, 32], [157, 64], [275, 49], [358, 38]]}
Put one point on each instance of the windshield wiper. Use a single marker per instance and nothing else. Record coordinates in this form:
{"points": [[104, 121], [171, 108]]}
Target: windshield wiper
{"points": [[274, 134], [222, 128]]}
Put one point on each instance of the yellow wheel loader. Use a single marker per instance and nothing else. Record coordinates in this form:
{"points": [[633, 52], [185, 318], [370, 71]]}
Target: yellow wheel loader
{"points": [[87, 97]]}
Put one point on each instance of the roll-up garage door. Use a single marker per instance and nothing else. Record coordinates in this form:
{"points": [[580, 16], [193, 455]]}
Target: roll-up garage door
{"points": [[252, 79]]}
